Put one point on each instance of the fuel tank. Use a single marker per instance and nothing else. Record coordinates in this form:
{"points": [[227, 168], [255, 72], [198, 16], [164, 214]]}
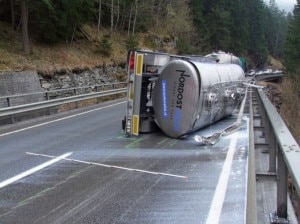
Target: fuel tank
{"points": [[189, 95]]}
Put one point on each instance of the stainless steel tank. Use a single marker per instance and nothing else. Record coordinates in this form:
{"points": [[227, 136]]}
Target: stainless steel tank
{"points": [[224, 58], [189, 95]]}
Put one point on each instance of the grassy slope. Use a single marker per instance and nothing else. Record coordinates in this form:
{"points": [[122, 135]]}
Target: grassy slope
{"points": [[290, 109], [64, 56]]}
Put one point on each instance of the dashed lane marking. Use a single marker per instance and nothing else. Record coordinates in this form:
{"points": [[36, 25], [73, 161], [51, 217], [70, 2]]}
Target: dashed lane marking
{"points": [[112, 166], [33, 170]]}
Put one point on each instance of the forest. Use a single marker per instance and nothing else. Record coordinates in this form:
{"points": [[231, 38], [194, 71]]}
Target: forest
{"points": [[253, 29], [57, 36]]}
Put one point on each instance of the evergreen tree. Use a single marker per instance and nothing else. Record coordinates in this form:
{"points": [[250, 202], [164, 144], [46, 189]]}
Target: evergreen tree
{"points": [[276, 29], [257, 47], [63, 18], [238, 26], [219, 28], [201, 25], [25, 35], [292, 47]]}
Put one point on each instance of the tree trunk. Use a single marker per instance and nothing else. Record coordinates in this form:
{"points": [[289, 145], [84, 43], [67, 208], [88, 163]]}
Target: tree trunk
{"points": [[118, 14], [135, 15], [24, 19], [99, 18], [123, 17], [73, 34], [158, 12], [112, 16], [275, 47], [129, 20], [12, 13], [152, 6]]}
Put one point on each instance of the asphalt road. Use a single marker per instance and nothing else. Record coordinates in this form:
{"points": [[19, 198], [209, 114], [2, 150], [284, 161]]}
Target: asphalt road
{"points": [[154, 179]]}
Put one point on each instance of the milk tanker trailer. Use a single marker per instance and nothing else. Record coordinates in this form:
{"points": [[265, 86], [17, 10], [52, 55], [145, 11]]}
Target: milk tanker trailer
{"points": [[179, 94]]}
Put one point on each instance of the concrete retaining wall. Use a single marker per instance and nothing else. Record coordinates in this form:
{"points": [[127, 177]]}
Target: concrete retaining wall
{"points": [[12, 83]]}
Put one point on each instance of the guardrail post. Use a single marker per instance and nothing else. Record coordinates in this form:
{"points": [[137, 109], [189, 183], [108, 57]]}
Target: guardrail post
{"points": [[273, 150], [8, 101], [75, 93], [281, 216], [12, 116], [47, 96], [282, 187], [97, 90], [265, 123], [114, 87]]}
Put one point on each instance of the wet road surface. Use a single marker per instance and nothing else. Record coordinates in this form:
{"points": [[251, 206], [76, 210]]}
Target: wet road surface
{"points": [[75, 192]]}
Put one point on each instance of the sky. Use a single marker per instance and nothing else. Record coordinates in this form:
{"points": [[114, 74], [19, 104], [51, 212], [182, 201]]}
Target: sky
{"points": [[287, 5]]}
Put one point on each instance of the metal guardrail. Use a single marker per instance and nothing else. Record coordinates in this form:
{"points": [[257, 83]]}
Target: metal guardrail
{"points": [[47, 95], [251, 212], [7, 111], [268, 77], [287, 161]]}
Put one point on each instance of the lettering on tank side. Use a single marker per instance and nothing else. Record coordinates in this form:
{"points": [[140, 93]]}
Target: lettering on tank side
{"points": [[180, 88], [178, 99], [164, 98]]}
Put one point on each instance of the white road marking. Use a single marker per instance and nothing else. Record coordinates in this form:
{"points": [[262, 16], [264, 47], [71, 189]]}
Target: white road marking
{"points": [[61, 119], [33, 170], [111, 166], [220, 192]]}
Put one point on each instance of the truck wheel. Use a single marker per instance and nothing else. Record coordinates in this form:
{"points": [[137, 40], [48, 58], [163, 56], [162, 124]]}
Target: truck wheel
{"points": [[123, 123]]}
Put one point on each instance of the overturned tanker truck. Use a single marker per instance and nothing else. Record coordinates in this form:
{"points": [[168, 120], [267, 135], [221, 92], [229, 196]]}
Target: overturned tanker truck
{"points": [[179, 94]]}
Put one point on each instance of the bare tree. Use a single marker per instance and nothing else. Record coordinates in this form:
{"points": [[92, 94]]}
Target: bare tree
{"points": [[135, 16], [99, 18], [24, 20], [123, 17], [112, 16], [118, 14], [158, 11], [12, 13], [129, 20]]}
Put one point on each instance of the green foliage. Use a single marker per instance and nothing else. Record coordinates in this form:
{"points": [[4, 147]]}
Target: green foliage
{"points": [[219, 28], [63, 18], [276, 29], [296, 82], [106, 45], [238, 27], [150, 42], [257, 46], [143, 24], [132, 43], [241, 27], [177, 22], [184, 47], [292, 48]]}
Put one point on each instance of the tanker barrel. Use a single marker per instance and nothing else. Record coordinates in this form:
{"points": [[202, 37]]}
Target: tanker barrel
{"points": [[189, 95]]}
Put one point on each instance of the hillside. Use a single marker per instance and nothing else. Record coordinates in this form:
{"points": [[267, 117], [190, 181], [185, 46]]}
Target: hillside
{"points": [[86, 54], [44, 58]]}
